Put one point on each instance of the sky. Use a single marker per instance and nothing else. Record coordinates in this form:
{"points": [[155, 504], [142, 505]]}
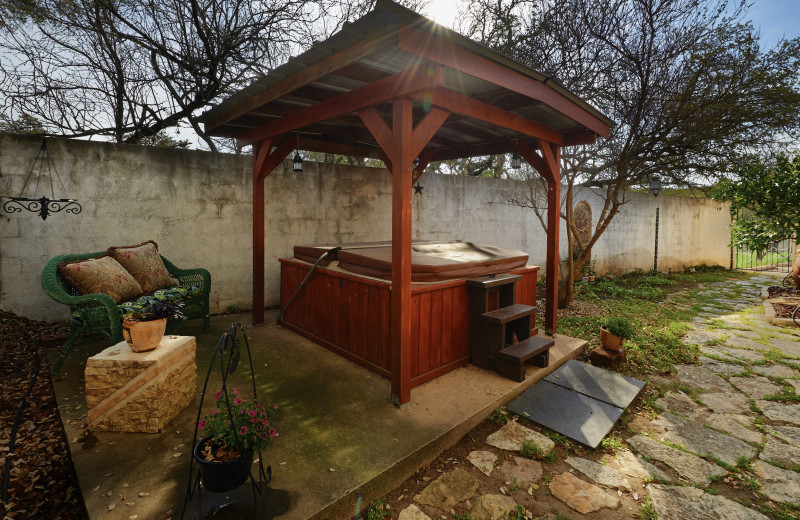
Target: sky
{"points": [[775, 18]]}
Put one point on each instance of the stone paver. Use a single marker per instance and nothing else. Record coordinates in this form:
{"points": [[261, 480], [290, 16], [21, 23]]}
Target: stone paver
{"points": [[790, 434], [523, 472], [412, 512], [778, 411], [599, 473], [795, 384], [687, 465], [683, 503], [750, 334], [703, 441], [678, 402], [483, 460], [776, 451], [632, 465], [734, 425], [702, 378], [742, 353], [512, 435], [492, 507], [788, 347], [720, 367], [774, 370], [581, 496], [701, 337], [449, 489], [780, 485], [731, 402], [756, 387], [738, 341]]}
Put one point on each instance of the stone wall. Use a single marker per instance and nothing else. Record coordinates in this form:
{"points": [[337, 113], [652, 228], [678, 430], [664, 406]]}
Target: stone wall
{"points": [[197, 206]]}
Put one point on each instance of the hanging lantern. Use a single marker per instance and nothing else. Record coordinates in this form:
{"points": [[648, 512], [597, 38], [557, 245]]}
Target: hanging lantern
{"points": [[297, 163], [655, 185], [516, 160], [43, 205]]}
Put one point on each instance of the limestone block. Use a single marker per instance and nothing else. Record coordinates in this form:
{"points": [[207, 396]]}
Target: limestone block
{"points": [[128, 391]]}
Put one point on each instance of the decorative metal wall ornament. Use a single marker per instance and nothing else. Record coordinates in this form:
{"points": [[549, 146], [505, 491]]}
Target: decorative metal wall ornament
{"points": [[229, 353], [43, 205]]}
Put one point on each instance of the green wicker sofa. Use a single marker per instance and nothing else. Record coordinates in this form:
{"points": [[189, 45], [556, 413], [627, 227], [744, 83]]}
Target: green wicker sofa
{"points": [[97, 313]]}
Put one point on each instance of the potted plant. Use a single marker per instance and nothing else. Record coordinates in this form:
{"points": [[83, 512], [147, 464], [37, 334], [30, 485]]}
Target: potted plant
{"points": [[144, 327], [614, 331], [233, 431]]}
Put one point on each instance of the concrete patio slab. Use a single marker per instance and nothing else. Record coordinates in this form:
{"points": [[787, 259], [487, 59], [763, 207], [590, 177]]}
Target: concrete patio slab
{"points": [[339, 435]]}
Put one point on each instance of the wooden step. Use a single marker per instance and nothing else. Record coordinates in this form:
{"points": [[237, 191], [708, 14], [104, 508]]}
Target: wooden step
{"points": [[488, 282], [507, 314], [510, 361], [526, 349]]}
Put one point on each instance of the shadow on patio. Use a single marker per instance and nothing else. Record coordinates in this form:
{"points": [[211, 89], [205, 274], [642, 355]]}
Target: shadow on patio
{"points": [[338, 433]]}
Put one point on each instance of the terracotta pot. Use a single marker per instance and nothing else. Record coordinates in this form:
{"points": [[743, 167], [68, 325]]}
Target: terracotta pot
{"points": [[143, 336], [610, 341], [221, 477]]}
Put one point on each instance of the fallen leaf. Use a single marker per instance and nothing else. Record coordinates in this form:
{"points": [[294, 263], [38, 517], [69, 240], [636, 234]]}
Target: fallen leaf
{"points": [[144, 494], [331, 469], [111, 507], [96, 488], [177, 454]]}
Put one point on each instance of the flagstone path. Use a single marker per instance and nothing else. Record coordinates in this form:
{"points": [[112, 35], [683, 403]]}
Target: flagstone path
{"points": [[728, 426]]}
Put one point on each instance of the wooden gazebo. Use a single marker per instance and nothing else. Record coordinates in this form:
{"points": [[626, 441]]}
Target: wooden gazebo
{"points": [[394, 85]]}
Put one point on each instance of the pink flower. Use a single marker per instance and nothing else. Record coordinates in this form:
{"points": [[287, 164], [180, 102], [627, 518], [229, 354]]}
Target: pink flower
{"points": [[254, 420], [214, 412], [243, 430], [265, 422], [201, 424], [263, 435], [252, 413], [236, 391], [238, 400], [218, 395], [272, 432]]}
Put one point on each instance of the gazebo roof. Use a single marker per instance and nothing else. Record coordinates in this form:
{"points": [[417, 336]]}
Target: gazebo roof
{"points": [[393, 51]]}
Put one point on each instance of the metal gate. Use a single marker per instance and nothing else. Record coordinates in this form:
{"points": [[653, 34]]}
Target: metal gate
{"points": [[777, 257]]}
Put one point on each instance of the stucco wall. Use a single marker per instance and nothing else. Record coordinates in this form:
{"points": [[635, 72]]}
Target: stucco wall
{"points": [[197, 206]]}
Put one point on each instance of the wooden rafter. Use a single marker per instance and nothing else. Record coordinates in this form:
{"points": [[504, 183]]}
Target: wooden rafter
{"points": [[330, 63], [439, 50], [407, 82]]}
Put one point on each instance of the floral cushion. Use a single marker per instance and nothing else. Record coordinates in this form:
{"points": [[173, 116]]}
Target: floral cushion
{"points": [[101, 275], [144, 264], [174, 294]]}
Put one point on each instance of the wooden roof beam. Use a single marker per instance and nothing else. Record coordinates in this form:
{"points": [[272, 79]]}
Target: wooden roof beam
{"points": [[309, 74], [439, 50], [420, 77], [461, 104]]}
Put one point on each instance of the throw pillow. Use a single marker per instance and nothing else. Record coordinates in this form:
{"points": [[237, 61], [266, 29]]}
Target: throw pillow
{"points": [[101, 275], [144, 264]]}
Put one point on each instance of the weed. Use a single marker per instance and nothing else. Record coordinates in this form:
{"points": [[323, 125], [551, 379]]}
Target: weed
{"points": [[715, 478], [513, 484], [550, 457], [743, 462], [647, 511], [557, 437], [612, 444], [499, 416], [530, 450], [457, 516], [377, 510]]}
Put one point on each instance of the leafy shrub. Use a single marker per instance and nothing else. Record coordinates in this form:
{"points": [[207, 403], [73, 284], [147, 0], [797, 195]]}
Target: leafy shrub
{"points": [[619, 327]]}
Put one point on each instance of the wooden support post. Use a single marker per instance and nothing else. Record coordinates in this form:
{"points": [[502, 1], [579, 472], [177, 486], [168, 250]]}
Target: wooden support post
{"points": [[258, 233], [265, 160], [402, 163], [553, 225], [549, 166]]}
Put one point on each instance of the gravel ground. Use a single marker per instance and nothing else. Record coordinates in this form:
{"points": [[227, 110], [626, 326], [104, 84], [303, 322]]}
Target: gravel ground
{"points": [[41, 481]]}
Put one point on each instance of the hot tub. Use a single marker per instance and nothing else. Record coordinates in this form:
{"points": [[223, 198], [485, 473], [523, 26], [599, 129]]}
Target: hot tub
{"points": [[345, 305], [430, 261]]}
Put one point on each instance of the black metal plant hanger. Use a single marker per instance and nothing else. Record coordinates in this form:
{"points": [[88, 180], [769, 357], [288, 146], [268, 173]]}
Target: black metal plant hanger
{"points": [[43, 205], [228, 344]]}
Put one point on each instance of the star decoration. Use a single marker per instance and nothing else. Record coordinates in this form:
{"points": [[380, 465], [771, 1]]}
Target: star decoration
{"points": [[418, 189]]}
